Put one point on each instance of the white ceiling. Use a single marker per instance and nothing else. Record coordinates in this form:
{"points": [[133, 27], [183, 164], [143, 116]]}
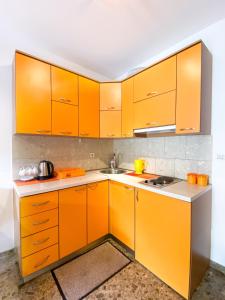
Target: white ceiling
{"points": [[109, 37]]}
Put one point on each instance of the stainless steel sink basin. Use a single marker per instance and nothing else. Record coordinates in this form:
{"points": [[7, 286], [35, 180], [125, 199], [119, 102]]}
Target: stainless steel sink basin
{"points": [[113, 171]]}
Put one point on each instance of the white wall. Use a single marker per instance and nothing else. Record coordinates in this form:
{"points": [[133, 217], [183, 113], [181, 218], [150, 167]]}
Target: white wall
{"points": [[6, 211], [213, 37]]}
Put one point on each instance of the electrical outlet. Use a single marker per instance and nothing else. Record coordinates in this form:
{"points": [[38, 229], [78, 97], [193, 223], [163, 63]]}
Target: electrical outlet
{"points": [[92, 155], [220, 156]]}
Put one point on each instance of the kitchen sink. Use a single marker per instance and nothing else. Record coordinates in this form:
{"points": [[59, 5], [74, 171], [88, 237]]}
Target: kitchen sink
{"points": [[113, 171]]}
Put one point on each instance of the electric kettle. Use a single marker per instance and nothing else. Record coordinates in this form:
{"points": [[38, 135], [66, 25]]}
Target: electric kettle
{"points": [[45, 170]]}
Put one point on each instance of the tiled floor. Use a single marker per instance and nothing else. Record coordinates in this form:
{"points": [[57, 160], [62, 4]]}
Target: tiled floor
{"points": [[133, 282]]}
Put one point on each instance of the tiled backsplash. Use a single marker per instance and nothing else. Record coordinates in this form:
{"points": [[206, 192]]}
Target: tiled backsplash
{"points": [[172, 156], [62, 151]]}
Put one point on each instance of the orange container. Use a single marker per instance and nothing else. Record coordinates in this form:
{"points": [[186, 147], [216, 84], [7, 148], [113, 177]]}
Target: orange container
{"points": [[192, 178], [203, 179], [69, 172]]}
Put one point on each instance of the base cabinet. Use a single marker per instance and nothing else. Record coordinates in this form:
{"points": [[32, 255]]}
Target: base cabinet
{"points": [[166, 238], [97, 210], [72, 220], [121, 197]]}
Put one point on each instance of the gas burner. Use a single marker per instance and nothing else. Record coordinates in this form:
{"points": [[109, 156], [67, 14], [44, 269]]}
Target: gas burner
{"points": [[161, 181]]}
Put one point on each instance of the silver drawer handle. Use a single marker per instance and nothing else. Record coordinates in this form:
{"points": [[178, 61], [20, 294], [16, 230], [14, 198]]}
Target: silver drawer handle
{"points": [[36, 243], [43, 261], [111, 107], [40, 222], [188, 128], [152, 93], [65, 132], [43, 131], [80, 190], [92, 186], [110, 135], [40, 203], [84, 134]]}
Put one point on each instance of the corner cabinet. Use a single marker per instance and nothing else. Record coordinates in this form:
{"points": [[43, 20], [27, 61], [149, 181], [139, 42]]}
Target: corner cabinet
{"points": [[32, 95], [89, 115]]}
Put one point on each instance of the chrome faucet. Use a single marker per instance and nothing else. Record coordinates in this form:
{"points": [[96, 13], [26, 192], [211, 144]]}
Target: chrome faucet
{"points": [[113, 163]]}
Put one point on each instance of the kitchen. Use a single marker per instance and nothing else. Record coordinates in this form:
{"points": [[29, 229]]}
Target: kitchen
{"points": [[173, 154]]}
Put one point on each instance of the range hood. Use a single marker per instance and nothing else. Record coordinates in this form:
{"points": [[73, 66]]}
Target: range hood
{"points": [[150, 131]]}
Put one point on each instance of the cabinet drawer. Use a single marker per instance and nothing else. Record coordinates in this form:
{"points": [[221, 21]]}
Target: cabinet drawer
{"points": [[39, 260], [39, 241], [35, 204], [39, 222], [156, 111]]}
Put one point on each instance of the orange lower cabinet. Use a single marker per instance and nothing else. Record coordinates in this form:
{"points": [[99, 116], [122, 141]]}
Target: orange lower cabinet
{"points": [[121, 197], [163, 238], [39, 260], [98, 208], [72, 220]]}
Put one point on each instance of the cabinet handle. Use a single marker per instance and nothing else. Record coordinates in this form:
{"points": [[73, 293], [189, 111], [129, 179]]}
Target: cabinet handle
{"points": [[65, 132], [43, 261], [188, 128], [110, 135], [128, 188], [65, 100], [111, 107], [152, 93], [40, 203], [80, 190], [36, 243], [84, 134], [92, 186], [152, 123], [41, 222], [43, 131], [137, 198]]}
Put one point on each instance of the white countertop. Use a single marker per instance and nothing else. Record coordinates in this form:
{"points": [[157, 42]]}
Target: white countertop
{"points": [[181, 190]]}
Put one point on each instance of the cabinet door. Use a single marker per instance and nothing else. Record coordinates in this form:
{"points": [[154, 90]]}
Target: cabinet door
{"points": [[122, 212], [156, 80], [89, 115], [127, 108], [188, 110], [110, 96], [156, 111], [110, 124], [162, 238], [72, 220], [97, 210], [64, 119], [33, 95], [64, 86]]}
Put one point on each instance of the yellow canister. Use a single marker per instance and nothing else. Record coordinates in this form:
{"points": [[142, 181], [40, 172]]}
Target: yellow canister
{"points": [[139, 166], [192, 178]]}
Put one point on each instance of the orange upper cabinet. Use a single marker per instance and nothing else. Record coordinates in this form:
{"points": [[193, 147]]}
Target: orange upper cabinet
{"points": [[156, 80], [97, 210], [188, 112], [162, 238], [72, 220], [156, 111], [33, 95], [64, 86], [89, 116], [110, 124], [127, 107], [110, 96], [121, 198], [64, 119]]}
